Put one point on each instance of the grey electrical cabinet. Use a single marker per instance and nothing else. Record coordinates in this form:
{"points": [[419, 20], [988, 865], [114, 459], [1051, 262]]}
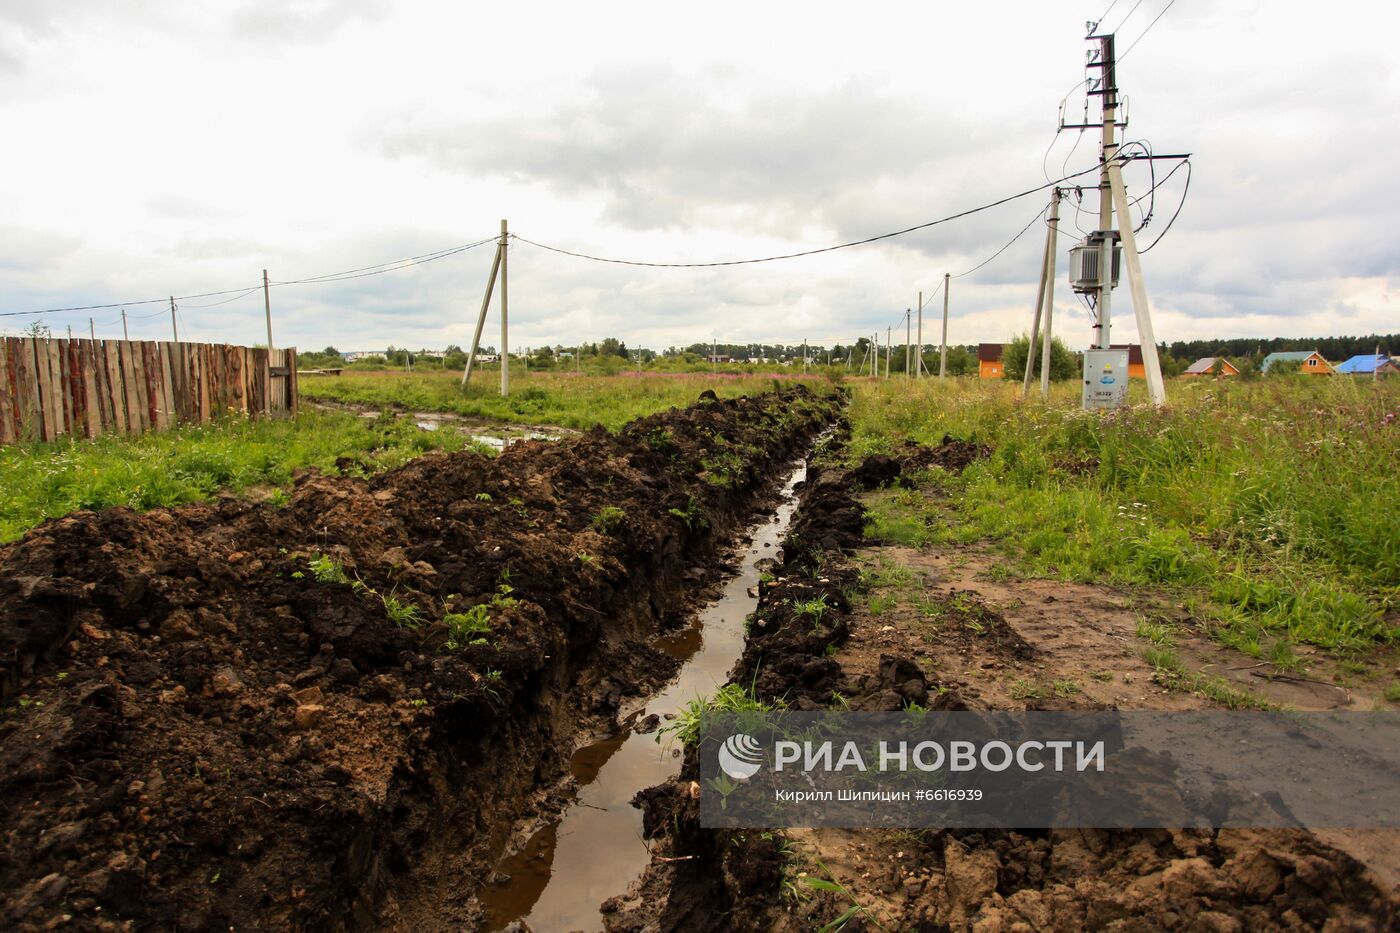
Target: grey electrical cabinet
{"points": [[1105, 378]]}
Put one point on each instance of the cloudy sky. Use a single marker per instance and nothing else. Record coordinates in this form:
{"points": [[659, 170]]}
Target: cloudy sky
{"points": [[157, 148]]}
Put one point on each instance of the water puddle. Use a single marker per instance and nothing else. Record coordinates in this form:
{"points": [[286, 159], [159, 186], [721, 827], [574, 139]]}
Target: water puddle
{"points": [[561, 875]]}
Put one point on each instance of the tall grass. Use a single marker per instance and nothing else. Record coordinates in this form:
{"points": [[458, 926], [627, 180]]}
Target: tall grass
{"points": [[1269, 502], [46, 480], [538, 398]]}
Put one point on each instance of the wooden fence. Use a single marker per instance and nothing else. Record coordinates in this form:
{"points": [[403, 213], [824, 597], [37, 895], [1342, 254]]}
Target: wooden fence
{"points": [[51, 388]]}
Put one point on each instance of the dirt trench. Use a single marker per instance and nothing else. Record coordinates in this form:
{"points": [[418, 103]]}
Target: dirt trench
{"points": [[329, 715], [963, 879]]}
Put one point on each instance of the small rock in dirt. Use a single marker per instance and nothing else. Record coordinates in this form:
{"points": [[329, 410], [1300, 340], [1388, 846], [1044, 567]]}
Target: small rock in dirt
{"points": [[178, 626], [226, 682], [308, 696], [344, 671], [308, 715], [709, 396], [647, 724]]}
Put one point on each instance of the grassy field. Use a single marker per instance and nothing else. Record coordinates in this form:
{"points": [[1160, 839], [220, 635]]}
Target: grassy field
{"points": [[39, 481], [563, 399], [1268, 504]]}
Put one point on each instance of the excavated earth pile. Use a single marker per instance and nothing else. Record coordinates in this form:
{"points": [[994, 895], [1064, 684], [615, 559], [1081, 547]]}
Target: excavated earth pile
{"points": [[328, 715], [950, 879]]}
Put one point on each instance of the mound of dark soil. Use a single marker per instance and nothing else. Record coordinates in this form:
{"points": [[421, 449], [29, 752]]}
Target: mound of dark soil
{"points": [[323, 715]]}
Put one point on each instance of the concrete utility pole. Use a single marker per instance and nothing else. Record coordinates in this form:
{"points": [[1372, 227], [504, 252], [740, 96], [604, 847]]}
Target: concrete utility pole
{"points": [[943, 347], [1113, 196], [267, 308], [1109, 91], [920, 370], [505, 312], [175, 328], [125, 335], [875, 354], [1046, 258], [481, 318], [1052, 252], [908, 347], [888, 351], [92, 330]]}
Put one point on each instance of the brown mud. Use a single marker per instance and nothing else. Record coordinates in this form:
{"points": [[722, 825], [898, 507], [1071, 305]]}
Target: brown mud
{"points": [[329, 715], [961, 635]]}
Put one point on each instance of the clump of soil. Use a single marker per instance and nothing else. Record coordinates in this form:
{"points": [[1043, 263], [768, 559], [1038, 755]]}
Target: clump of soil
{"points": [[951, 454], [327, 714]]}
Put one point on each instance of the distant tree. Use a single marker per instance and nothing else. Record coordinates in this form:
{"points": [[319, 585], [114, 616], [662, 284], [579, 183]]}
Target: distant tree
{"points": [[1062, 361], [37, 329]]}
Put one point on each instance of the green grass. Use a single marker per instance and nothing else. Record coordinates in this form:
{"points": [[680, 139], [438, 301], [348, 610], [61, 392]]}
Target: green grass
{"points": [[563, 399], [39, 481], [1266, 504]]}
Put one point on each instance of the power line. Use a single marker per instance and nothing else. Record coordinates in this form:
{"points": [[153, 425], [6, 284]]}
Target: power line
{"points": [[809, 252], [1018, 236], [1178, 207], [241, 292], [1148, 29], [1125, 19]]}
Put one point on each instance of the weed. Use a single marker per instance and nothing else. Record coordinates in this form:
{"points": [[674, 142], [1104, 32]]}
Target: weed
{"points": [[327, 570], [1392, 692], [402, 614], [483, 497], [731, 698], [1025, 690], [1065, 688], [1159, 633], [467, 628], [608, 519], [693, 516], [812, 609]]}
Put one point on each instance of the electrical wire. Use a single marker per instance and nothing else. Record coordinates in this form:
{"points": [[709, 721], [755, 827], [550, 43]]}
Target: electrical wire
{"points": [[1125, 19], [1148, 29], [383, 267], [224, 301], [1006, 247], [809, 252], [240, 292], [1105, 14], [1179, 206]]}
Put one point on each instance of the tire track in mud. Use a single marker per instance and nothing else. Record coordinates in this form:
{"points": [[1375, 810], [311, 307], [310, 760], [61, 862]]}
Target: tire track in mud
{"points": [[1209, 880], [213, 721]]}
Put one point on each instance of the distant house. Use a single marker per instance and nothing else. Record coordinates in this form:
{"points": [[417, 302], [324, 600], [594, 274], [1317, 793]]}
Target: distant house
{"points": [[989, 360], [1136, 369], [1309, 361], [1369, 364], [1212, 366]]}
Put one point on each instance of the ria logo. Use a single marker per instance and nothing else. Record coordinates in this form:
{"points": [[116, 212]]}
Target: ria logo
{"points": [[740, 756]]}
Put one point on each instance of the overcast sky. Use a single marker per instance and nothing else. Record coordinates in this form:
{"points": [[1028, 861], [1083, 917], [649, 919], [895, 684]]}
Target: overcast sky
{"points": [[156, 148]]}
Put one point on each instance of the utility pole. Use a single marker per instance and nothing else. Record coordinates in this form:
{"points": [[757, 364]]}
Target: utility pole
{"points": [[887, 352], [943, 347], [804, 356], [921, 333], [1053, 252], [485, 304], [1046, 258], [1109, 92], [175, 328], [875, 354], [125, 335], [70, 331], [267, 309], [505, 309], [908, 347], [92, 330]]}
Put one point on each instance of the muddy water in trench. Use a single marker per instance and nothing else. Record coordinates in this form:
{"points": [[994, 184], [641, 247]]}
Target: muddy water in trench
{"points": [[568, 868]]}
